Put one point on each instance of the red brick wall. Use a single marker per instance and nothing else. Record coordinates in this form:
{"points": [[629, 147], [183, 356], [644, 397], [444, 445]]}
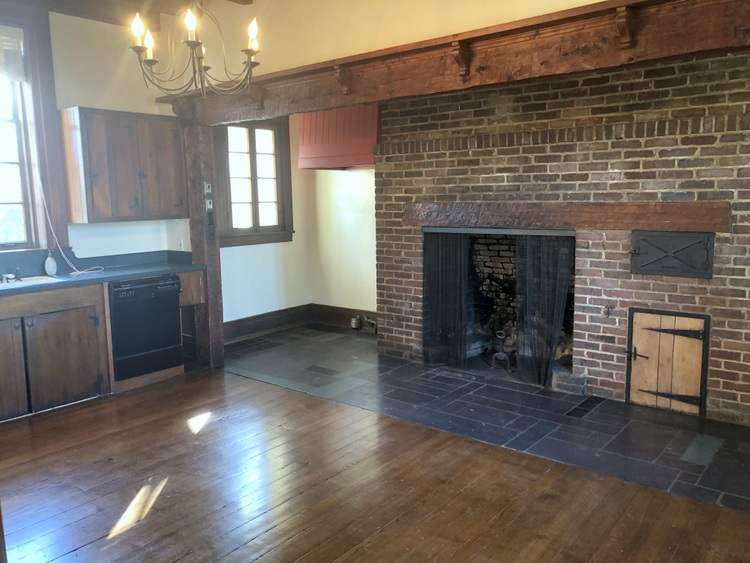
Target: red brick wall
{"points": [[677, 131]]}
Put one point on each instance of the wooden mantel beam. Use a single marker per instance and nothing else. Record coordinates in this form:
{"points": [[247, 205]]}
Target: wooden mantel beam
{"points": [[603, 35], [693, 216]]}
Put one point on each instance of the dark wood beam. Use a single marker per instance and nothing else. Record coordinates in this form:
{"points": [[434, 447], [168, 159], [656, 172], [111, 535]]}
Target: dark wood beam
{"points": [[603, 35], [703, 216], [209, 321]]}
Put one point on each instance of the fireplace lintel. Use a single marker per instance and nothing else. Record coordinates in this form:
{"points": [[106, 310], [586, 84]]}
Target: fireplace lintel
{"points": [[708, 216]]}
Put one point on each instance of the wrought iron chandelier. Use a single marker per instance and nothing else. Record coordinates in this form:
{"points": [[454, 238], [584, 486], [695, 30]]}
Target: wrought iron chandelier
{"points": [[195, 74]]}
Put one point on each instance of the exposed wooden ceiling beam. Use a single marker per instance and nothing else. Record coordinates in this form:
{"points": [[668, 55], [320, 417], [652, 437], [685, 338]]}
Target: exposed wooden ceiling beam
{"points": [[603, 35]]}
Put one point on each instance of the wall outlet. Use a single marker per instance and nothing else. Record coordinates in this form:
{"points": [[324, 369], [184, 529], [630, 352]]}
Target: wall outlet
{"points": [[207, 187], [209, 205], [181, 244]]}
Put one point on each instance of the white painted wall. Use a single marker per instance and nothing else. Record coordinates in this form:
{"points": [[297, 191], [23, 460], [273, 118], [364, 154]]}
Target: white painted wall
{"points": [[332, 257], [345, 220]]}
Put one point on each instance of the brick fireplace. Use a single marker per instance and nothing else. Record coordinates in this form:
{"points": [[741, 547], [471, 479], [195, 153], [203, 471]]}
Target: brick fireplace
{"points": [[535, 154]]}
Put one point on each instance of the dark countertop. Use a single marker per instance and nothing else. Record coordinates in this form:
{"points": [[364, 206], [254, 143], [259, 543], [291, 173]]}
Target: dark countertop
{"points": [[110, 274]]}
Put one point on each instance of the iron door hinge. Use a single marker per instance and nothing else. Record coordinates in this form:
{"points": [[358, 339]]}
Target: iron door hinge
{"points": [[697, 334]]}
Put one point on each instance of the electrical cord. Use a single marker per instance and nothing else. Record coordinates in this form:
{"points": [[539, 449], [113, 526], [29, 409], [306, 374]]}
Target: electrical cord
{"points": [[75, 271]]}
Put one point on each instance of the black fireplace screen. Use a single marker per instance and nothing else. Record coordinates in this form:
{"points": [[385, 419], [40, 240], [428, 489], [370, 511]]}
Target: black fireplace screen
{"points": [[543, 270], [544, 266], [446, 267]]}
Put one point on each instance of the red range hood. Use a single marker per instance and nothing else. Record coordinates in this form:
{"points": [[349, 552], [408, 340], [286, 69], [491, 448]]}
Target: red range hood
{"points": [[339, 138]]}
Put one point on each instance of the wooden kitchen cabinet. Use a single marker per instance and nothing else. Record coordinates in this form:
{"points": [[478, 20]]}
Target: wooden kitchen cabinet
{"points": [[54, 343], [13, 398], [191, 288], [62, 357], [124, 166]]}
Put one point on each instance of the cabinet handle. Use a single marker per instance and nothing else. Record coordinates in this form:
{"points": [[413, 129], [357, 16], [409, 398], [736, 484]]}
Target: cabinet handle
{"points": [[16, 325], [30, 324]]}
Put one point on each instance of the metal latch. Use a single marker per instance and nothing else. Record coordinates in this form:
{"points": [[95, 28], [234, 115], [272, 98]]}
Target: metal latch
{"points": [[634, 355]]}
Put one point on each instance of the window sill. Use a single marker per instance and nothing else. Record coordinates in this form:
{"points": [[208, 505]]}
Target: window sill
{"points": [[255, 238]]}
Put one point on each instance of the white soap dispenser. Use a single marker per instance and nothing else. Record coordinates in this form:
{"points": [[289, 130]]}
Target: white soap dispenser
{"points": [[50, 265]]}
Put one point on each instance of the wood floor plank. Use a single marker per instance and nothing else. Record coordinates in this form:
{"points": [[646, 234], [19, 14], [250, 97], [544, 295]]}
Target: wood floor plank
{"points": [[315, 492], [389, 490], [174, 475], [244, 505], [277, 475]]}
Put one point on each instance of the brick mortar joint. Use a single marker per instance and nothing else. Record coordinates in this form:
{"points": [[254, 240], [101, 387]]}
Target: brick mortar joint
{"points": [[652, 129]]}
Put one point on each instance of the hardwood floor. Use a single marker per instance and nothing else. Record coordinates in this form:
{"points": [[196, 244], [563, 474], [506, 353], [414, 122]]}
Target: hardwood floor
{"points": [[277, 475]]}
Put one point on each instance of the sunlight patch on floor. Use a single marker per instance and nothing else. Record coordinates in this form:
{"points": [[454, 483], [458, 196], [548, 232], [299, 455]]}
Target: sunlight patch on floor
{"points": [[197, 422], [138, 509]]}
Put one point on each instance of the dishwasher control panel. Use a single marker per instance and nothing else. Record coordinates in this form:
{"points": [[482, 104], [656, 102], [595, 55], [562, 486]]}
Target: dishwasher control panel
{"points": [[144, 288]]}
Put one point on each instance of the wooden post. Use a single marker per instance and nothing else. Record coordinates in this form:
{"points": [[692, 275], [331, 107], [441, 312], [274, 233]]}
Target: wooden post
{"points": [[209, 317]]}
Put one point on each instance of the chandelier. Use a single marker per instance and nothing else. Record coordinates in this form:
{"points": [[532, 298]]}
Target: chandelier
{"points": [[195, 75]]}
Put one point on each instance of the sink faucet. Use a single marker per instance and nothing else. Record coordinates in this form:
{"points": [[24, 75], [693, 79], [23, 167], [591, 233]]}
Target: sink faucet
{"points": [[18, 275]]}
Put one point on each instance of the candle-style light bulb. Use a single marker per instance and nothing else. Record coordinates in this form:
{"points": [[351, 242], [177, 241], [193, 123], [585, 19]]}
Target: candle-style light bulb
{"points": [[149, 42], [252, 33], [190, 23], [137, 28]]}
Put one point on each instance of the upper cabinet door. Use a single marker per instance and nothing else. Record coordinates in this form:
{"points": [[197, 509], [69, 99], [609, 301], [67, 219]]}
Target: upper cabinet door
{"points": [[163, 166], [114, 170], [124, 166]]}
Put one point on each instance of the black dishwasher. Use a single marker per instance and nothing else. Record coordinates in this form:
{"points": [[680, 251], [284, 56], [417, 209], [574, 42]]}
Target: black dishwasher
{"points": [[145, 322]]}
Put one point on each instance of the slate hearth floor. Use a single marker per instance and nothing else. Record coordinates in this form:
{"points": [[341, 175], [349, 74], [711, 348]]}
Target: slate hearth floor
{"points": [[705, 460]]}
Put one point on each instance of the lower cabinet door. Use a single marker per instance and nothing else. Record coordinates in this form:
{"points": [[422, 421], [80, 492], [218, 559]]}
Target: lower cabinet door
{"points": [[13, 397], [62, 355]]}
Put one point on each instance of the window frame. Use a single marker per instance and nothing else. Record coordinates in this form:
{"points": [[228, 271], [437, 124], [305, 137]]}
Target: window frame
{"points": [[230, 236], [19, 119], [47, 155]]}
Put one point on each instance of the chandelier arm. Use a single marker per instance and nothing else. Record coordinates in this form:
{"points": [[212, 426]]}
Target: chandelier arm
{"points": [[170, 91], [230, 83], [162, 74], [163, 84], [231, 75]]}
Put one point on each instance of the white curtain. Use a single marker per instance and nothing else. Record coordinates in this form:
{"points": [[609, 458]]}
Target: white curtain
{"points": [[11, 53]]}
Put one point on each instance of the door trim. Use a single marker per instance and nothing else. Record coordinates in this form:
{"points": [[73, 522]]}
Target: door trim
{"points": [[704, 360]]}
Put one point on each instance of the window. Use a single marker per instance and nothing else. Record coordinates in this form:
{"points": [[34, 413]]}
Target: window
{"points": [[254, 167], [15, 197]]}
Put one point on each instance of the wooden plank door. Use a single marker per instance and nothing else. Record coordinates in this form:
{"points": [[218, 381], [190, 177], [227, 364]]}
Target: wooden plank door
{"points": [[63, 361], [114, 170], [667, 360], [13, 399], [162, 161]]}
